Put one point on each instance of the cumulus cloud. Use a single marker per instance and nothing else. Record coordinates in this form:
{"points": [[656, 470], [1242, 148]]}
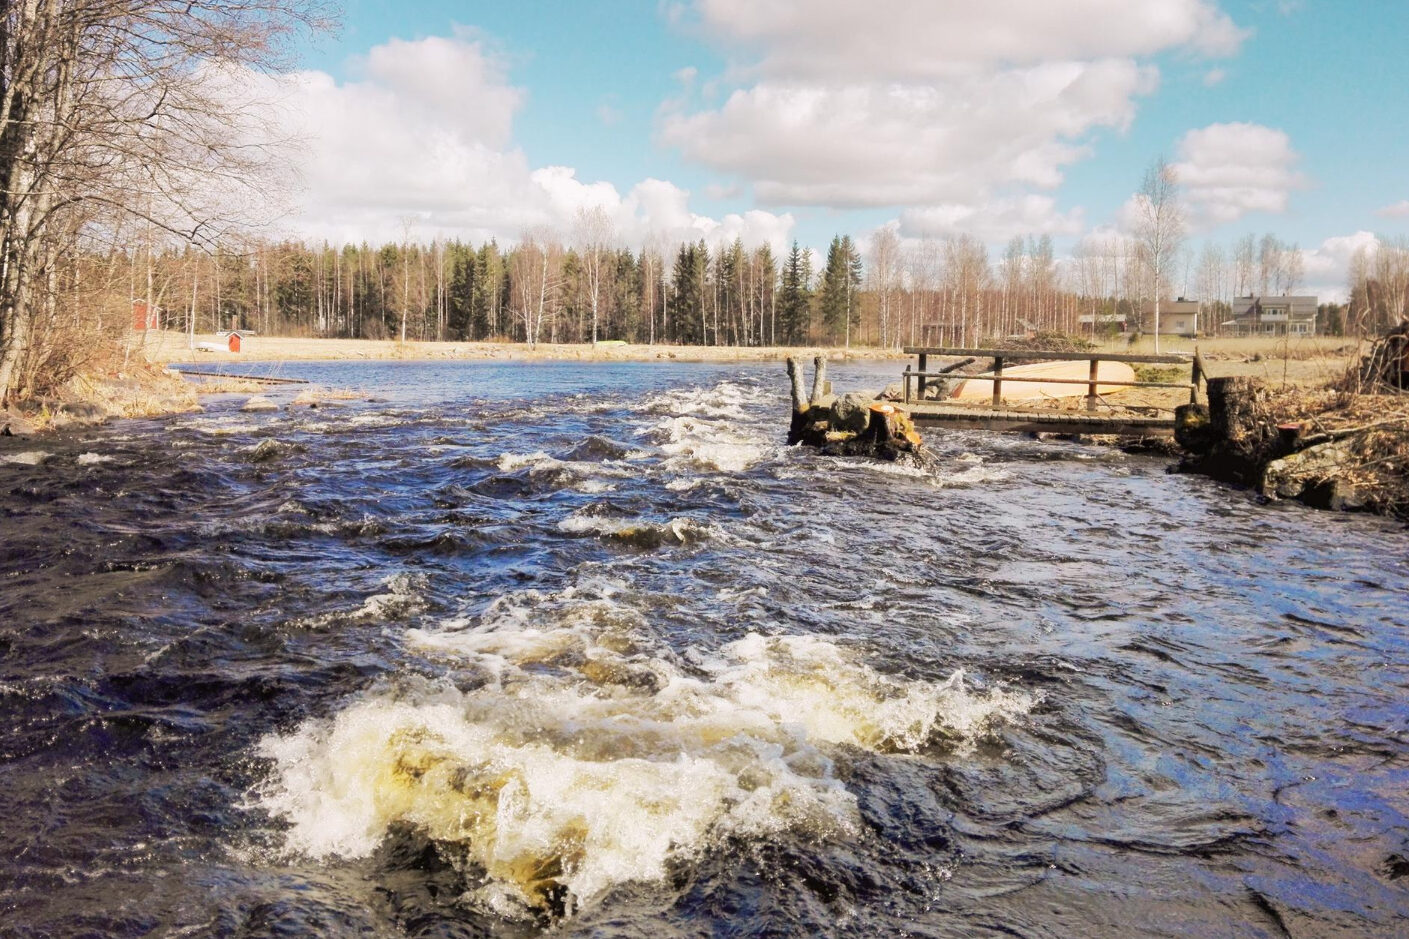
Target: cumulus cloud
{"points": [[1327, 266], [919, 39], [421, 143], [1229, 170], [995, 221], [1398, 209], [948, 111], [878, 144]]}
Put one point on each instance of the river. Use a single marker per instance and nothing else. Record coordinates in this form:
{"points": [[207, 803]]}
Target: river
{"points": [[495, 648]]}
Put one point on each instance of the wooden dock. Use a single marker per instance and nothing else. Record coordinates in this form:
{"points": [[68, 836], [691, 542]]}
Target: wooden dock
{"points": [[999, 416], [1032, 420]]}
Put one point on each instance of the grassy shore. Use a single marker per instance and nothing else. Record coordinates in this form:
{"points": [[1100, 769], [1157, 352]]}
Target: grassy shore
{"points": [[175, 348]]}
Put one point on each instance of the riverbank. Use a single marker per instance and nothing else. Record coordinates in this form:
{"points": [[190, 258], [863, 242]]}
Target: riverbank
{"points": [[1329, 448], [167, 347], [136, 388]]}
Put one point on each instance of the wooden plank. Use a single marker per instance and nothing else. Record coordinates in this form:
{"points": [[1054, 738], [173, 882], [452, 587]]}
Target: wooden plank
{"points": [[269, 381], [1046, 354], [1050, 422], [1009, 376]]}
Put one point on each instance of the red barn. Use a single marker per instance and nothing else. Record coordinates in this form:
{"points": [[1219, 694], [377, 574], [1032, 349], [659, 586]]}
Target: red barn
{"points": [[144, 316]]}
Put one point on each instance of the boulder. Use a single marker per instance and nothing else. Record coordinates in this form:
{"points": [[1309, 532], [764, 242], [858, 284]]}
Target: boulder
{"points": [[259, 403], [851, 412], [1290, 476]]}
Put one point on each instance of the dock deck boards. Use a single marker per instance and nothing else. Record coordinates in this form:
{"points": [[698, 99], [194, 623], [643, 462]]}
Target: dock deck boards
{"points": [[978, 417]]}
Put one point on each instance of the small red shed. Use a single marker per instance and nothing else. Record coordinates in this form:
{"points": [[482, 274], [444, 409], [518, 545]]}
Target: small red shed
{"points": [[234, 342], [144, 316]]}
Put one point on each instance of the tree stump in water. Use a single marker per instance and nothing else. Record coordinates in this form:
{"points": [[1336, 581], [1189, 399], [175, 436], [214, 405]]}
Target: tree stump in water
{"points": [[847, 427], [1235, 437]]}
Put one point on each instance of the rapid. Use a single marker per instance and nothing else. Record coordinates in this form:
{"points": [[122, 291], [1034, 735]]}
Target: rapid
{"points": [[500, 648]]}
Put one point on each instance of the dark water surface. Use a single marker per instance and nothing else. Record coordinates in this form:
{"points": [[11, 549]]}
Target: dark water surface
{"points": [[584, 648]]}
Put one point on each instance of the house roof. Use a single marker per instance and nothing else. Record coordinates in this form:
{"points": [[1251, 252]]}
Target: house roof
{"points": [[1294, 306]]}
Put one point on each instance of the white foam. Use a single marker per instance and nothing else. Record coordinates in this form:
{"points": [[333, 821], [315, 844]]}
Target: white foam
{"points": [[582, 475], [590, 756], [90, 459], [28, 457], [716, 429], [673, 531]]}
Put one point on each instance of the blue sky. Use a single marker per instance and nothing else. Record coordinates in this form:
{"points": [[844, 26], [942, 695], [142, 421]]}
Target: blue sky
{"points": [[781, 120]]}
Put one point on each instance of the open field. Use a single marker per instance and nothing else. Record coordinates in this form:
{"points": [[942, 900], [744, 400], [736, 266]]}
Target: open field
{"points": [[1306, 360]]}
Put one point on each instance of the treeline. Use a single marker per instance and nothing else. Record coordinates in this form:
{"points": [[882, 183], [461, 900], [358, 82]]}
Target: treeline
{"points": [[1379, 287], [540, 290]]}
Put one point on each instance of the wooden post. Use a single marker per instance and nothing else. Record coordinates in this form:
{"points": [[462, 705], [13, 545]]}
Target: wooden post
{"points": [[797, 427], [924, 367], [1196, 376], [1091, 385], [905, 384], [997, 381], [795, 374]]}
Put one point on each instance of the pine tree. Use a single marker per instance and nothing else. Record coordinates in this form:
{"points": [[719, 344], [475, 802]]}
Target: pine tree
{"points": [[795, 299]]}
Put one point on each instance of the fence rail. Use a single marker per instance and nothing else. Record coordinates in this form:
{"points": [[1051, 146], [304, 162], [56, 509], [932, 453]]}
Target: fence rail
{"points": [[921, 375]]}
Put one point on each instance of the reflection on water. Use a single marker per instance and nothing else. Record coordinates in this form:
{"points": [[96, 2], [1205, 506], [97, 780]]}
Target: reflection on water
{"points": [[498, 647]]}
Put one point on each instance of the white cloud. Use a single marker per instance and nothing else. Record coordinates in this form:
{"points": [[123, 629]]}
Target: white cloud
{"points": [[878, 144], [992, 222], [1398, 209], [945, 110], [1214, 77], [920, 39], [422, 143], [1327, 266], [1228, 170]]}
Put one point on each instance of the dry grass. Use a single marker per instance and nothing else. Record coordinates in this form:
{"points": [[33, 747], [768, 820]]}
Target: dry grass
{"points": [[172, 347]]}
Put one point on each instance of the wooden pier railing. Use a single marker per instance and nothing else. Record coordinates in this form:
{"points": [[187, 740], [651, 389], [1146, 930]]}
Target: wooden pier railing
{"points": [[922, 374]]}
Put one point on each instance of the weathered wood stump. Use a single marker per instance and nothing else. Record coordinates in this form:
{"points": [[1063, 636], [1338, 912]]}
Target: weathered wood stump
{"points": [[850, 425], [1232, 438]]}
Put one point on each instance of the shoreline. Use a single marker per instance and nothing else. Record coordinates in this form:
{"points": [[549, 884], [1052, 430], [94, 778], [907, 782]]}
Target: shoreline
{"points": [[170, 348]]}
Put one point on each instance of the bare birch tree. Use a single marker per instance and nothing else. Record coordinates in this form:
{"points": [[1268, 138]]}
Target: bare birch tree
{"points": [[1160, 227], [595, 238], [120, 108]]}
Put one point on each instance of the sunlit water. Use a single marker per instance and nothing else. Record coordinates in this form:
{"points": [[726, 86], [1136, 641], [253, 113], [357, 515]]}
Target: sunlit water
{"points": [[503, 648]]}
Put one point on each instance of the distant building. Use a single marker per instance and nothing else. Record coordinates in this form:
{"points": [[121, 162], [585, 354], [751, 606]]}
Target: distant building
{"points": [[1273, 316], [1176, 317], [1104, 322], [144, 316]]}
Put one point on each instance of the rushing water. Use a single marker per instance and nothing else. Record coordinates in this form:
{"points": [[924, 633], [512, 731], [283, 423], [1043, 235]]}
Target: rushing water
{"points": [[499, 648]]}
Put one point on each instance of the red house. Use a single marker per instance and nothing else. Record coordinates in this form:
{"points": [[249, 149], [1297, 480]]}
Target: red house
{"points": [[144, 316], [234, 342]]}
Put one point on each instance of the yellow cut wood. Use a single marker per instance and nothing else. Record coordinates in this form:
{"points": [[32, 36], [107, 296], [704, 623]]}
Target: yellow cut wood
{"points": [[980, 388]]}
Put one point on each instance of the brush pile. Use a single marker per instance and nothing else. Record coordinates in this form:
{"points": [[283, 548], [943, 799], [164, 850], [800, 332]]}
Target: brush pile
{"points": [[1386, 368], [1330, 448]]}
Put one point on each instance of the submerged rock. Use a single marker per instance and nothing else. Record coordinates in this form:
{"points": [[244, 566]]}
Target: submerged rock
{"points": [[265, 451], [259, 403]]}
